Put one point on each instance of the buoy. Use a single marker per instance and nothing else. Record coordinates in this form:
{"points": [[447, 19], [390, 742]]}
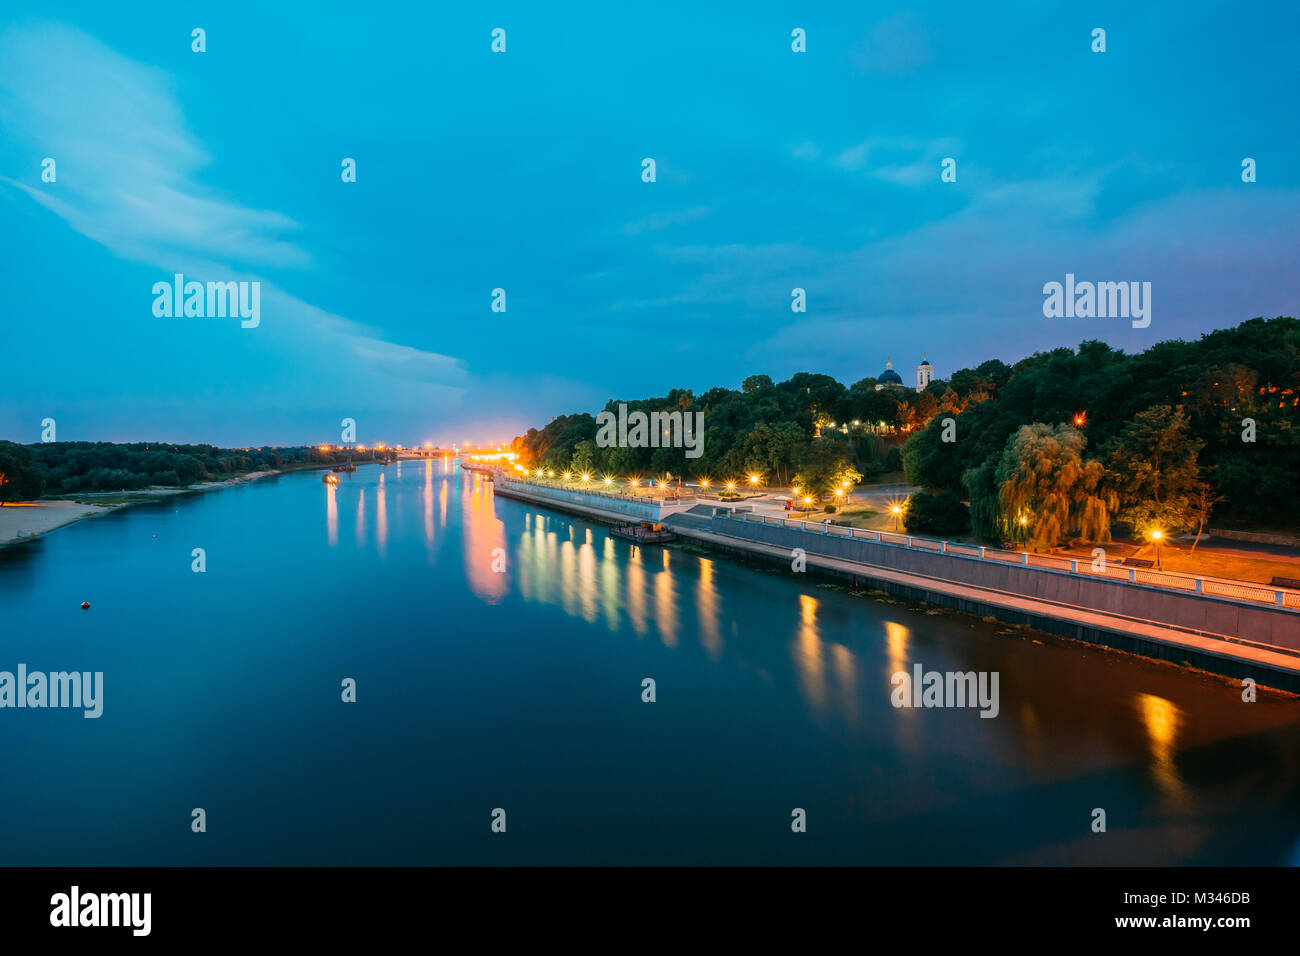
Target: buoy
{"points": [[85, 605]]}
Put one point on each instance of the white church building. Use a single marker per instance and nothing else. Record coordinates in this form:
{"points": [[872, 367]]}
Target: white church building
{"points": [[891, 379]]}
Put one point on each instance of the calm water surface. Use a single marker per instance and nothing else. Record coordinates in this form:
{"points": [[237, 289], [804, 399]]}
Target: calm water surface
{"points": [[522, 690]]}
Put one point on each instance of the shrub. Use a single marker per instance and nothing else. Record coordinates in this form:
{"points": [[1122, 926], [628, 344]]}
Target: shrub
{"points": [[941, 514]]}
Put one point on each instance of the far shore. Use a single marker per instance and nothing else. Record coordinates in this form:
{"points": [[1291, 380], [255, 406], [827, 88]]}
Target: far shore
{"points": [[27, 520]]}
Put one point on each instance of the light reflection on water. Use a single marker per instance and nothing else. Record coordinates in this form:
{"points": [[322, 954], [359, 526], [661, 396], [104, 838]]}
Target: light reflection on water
{"points": [[479, 685]]}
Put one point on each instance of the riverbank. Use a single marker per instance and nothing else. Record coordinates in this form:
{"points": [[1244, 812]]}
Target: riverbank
{"points": [[1157, 626], [28, 520]]}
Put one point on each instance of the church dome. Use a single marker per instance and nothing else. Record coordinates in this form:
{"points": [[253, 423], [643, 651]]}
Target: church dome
{"points": [[889, 376]]}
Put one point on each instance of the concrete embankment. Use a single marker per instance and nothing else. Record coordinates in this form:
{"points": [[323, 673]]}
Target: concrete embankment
{"points": [[619, 509], [1235, 638]]}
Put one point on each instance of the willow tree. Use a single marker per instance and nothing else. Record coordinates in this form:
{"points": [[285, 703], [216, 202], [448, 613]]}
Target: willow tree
{"points": [[1048, 491]]}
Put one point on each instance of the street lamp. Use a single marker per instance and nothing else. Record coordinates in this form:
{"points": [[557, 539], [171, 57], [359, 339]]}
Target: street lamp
{"points": [[1156, 537], [897, 512]]}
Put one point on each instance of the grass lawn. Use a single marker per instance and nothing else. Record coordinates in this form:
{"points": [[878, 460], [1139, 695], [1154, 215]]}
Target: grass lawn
{"points": [[860, 516]]}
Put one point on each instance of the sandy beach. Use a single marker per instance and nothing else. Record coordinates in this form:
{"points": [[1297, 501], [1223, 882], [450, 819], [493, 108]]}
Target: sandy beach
{"points": [[26, 520]]}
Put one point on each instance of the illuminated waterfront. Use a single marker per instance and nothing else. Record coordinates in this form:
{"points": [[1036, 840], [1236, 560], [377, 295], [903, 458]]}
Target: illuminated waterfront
{"points": [[521, 688]]}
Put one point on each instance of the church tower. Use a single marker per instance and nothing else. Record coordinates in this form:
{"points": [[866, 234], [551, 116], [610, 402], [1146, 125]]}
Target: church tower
{"points": [[924, 374]]}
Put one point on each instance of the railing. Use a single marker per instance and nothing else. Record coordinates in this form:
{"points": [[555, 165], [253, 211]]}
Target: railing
{"points": [[1240, 590], [614, 495]]}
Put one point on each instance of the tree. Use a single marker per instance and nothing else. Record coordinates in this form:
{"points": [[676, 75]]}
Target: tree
{"points": [[986, 518], [754, 382], [1156, 471], [941, 514], [772, 450], [1046, 489], [825, 466], [1201, 502], [584, 457], [21, 477], [931, 462]]}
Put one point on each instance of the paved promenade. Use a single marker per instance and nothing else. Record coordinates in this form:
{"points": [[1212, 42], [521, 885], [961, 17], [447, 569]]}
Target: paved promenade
{"points": [[1226, 649], [1222, 653]]}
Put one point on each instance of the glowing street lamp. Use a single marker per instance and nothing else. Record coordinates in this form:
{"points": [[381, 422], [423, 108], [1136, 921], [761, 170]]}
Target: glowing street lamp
{"points": [[1156, 537], [566, 476], [731, 486], [897, 512], [753, 479], [609, 481], [704, 482], [586, 477]]}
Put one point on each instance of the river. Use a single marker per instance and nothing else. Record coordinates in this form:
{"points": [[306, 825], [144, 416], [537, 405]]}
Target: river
{"points": [[499, 653]]}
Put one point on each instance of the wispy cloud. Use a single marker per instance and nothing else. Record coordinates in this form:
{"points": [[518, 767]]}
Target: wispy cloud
{"points": [[902, 160], [659, 221], [129, 177]]}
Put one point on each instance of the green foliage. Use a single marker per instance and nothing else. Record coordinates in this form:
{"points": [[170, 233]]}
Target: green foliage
{"points": [[981, 487], [942, 514], [826, 465], [1155, 470], [1047, 490], [71, 467], [21, 476], [766, 428], [1251, 372], [931, 462]]}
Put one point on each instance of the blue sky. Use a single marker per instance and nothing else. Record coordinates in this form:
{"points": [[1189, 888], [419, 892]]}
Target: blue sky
{"points": [[522, 171]]}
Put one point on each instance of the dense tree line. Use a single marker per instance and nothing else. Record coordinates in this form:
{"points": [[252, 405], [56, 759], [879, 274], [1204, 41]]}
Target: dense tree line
{"points": [[56, 468], [1076, 439], [1060, 444], [810, 430]]}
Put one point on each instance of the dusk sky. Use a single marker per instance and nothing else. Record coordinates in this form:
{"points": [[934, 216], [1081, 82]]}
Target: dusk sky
{"points": [[522, 170]]}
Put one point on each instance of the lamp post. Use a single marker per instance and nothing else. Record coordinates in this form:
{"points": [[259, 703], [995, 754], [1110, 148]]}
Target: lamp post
{"points": [[897, 512], [1156, 537]]}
